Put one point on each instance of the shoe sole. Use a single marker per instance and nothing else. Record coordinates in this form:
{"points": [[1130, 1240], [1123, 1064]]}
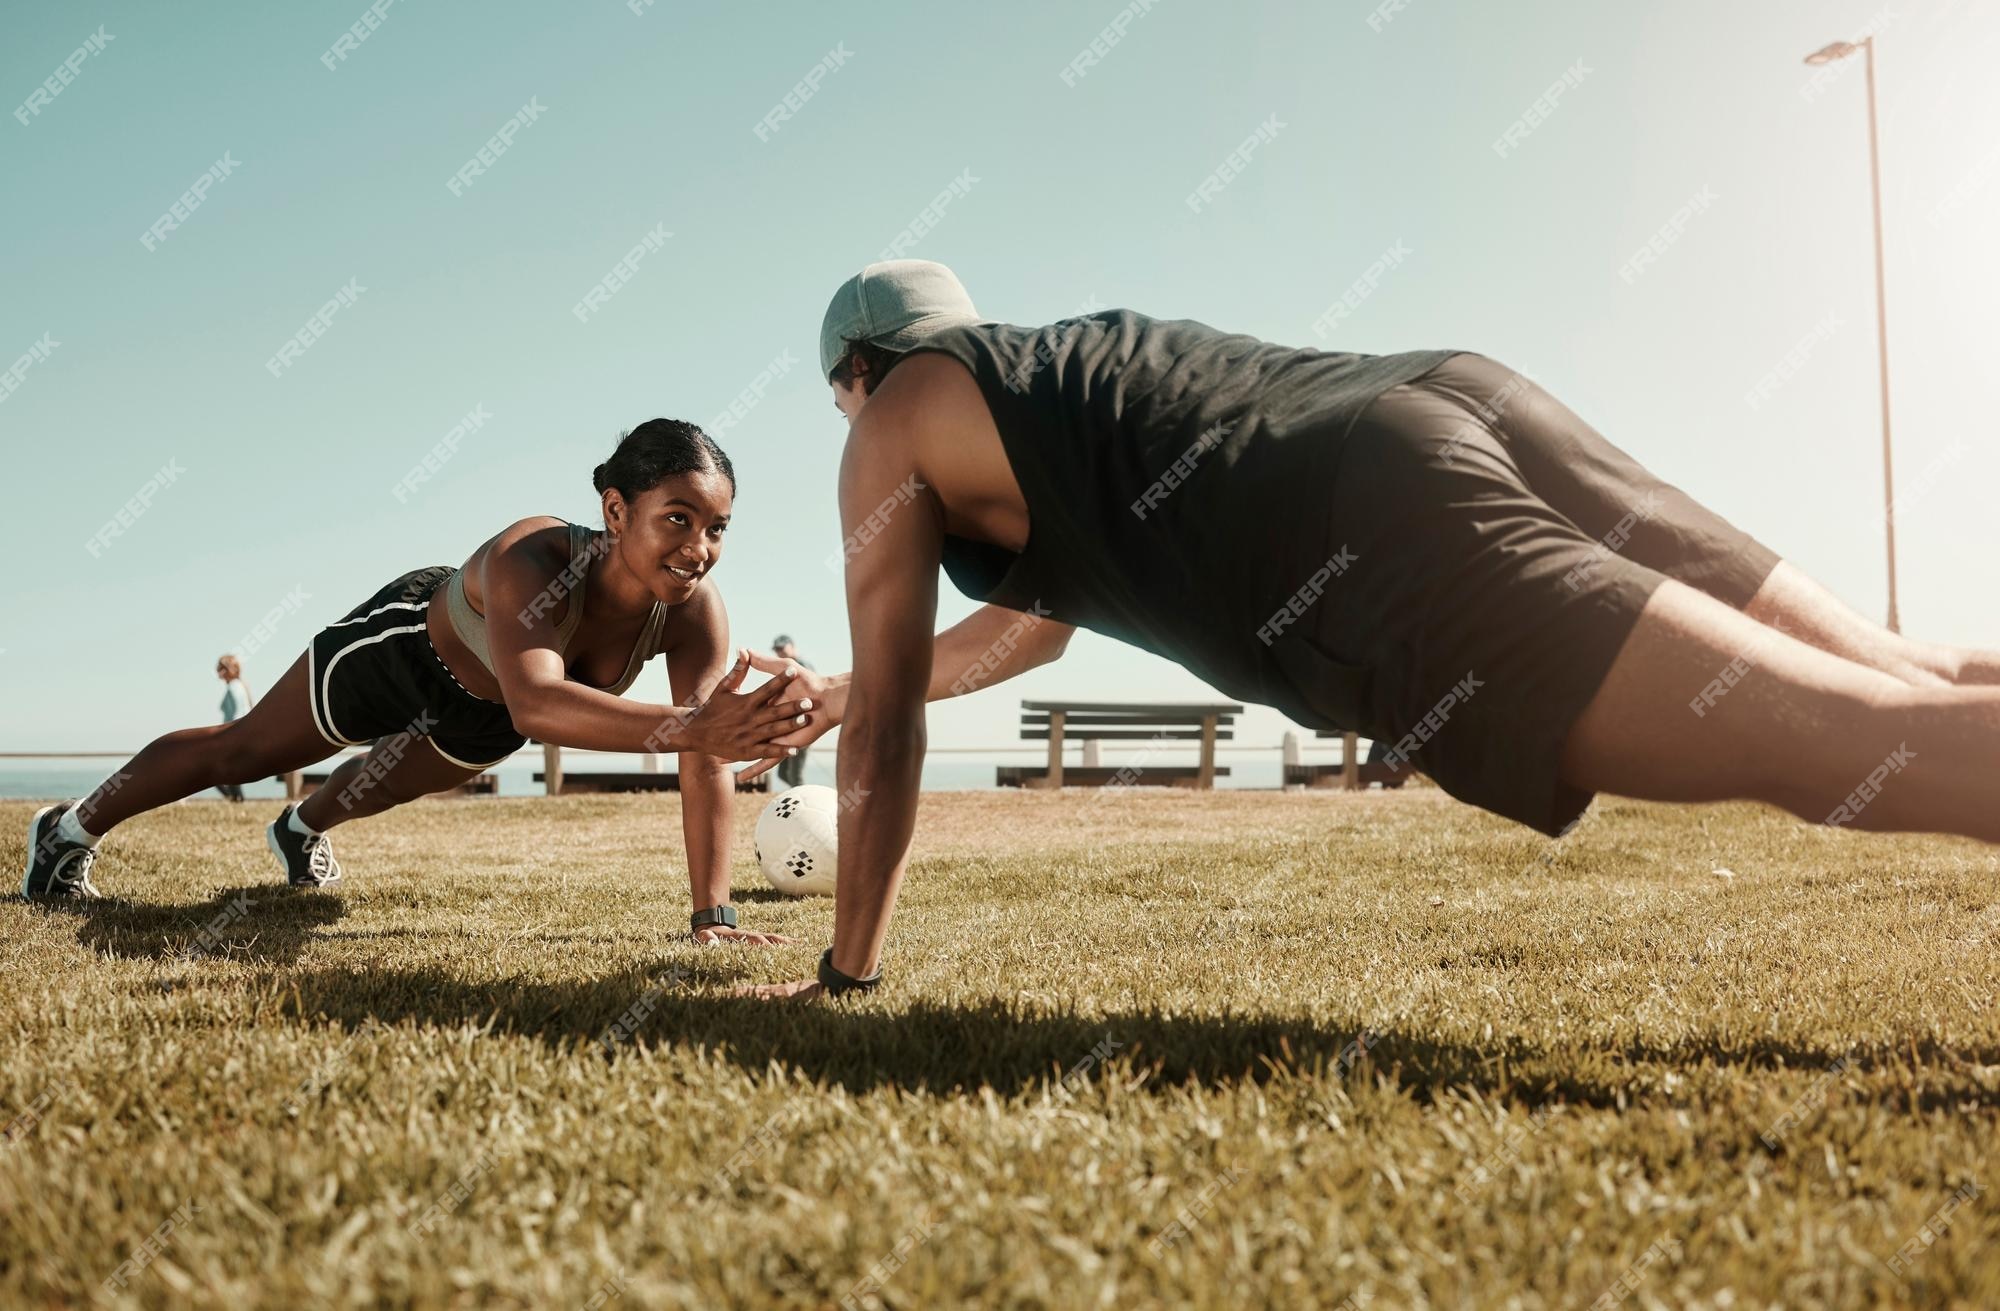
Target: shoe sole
{"points": [[29, 871]]}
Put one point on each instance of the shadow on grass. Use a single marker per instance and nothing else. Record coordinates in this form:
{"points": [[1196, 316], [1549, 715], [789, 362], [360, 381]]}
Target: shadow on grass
{"points": [[262, 923], [1010, 1049]]}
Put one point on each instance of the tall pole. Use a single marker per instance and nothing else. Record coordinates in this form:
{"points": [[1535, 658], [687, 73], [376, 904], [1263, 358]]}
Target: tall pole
{"points": [[1882, 338]]}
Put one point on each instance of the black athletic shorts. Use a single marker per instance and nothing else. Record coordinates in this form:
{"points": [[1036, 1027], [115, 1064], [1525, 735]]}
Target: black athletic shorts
{"points": [[1505, 550], [375, 674]]}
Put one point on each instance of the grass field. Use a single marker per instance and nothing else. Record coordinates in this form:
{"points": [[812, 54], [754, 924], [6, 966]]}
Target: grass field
{"points": [[1137, 1049]]}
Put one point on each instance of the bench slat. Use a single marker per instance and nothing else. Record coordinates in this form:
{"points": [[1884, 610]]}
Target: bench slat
{"points": [[1147, 708], [1123, 734]]}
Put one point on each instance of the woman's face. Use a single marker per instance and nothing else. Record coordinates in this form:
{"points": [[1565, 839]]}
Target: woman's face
{"points": [[671, 535]]}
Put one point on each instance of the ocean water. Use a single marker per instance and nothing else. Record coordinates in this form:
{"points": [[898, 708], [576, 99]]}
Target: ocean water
{"points": [[57, 779]]}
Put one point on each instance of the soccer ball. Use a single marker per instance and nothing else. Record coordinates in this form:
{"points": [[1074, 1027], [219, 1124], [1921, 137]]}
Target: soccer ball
{"points": [[796, 843]]}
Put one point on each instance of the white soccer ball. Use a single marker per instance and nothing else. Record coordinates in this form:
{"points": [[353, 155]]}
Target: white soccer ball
{"points": [[796, 842]]}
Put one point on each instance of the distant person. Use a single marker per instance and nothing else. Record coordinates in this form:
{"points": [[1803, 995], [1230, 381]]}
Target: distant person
{"points": [[236, 703], [446, 669], [792, 769], [1379, 752]]}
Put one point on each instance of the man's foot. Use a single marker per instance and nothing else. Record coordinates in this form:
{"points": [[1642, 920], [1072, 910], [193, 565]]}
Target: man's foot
{"points": [[57, 868], [308, 861]]}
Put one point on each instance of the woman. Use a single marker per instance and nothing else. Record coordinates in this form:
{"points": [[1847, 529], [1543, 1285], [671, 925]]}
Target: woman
{"points": [[236, 703], [1426, 548], [445, 670]]}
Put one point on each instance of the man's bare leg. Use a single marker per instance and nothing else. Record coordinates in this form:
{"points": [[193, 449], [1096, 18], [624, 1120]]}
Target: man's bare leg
{"points": [[1795, 604], [1821, 736]]}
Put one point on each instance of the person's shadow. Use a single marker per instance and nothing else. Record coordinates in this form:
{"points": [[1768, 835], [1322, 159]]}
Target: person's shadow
{"points": [[263, 922]]}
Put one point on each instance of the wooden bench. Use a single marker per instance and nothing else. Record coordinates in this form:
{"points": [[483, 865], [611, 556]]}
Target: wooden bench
{"points": [[1352, 772], [1059, 722], [556, 782]]}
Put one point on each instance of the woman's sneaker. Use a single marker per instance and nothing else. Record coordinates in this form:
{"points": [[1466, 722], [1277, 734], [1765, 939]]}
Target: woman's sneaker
{"points": [[57, 868], [308, 862]]}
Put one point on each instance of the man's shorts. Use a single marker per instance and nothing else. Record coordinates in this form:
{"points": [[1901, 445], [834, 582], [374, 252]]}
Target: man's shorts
{"points": [[1505, 550], [375, 674]]}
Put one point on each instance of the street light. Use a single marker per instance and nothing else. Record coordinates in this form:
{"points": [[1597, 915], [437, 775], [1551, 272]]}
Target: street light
{"points": [[1826, 55]]}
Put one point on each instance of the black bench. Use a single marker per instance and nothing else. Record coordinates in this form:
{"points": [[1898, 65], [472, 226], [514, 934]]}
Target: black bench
{"points": [[629, 781], [481, 785], [1058, 722]]}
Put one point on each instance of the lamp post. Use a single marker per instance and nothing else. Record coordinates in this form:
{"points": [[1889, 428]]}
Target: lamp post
{"points": [[1827, 55]]}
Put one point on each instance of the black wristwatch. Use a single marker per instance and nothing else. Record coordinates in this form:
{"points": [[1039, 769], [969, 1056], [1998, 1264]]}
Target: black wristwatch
{"points": [[836, 983], [714, 917]]}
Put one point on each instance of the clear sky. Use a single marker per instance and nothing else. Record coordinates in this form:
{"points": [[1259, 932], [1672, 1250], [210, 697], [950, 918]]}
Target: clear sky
{"points": [[282, 490]]}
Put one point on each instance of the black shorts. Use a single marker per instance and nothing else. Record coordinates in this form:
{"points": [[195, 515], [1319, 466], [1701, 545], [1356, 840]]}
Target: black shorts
{"points": [[375, 674], [1504, 550]]}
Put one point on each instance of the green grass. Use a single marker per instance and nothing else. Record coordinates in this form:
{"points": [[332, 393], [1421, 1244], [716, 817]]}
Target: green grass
{"points": [[1316, 1019]]}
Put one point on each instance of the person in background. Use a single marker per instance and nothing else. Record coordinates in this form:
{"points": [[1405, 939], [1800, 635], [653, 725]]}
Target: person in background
{"points": [[236, 703], [792, 769]]}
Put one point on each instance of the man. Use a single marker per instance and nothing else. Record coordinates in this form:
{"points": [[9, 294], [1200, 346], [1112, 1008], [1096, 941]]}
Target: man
{"points": [[1426, 548], [792, 769]]}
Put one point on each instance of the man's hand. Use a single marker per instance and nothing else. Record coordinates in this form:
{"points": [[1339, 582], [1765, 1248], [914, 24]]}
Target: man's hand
{"points": [[734, 725], [745, 937], [825, 693], [798, 989]]}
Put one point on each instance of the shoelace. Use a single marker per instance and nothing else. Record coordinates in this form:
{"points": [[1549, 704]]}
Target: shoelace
{"points": [[73, 871], [319, 858]]}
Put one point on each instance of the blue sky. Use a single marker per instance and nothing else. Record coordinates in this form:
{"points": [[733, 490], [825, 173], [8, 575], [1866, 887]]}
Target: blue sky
{"points": [[282, 491]]}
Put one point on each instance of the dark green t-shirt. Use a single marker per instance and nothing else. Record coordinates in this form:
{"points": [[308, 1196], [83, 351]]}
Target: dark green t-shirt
{"points": [[1176, 480]]}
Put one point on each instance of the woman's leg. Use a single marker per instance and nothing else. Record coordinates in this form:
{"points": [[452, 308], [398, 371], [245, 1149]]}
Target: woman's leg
{"points": [[1821, 736], [396, 769], [277, 736]]}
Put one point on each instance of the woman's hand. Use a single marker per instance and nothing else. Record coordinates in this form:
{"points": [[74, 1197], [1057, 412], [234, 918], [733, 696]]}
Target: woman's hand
{"points": [[827, 694], [734, 725], [746, 937]]}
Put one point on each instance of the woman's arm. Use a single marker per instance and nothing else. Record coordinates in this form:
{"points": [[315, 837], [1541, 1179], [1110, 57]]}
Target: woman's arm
{"points": [[548, 706], [696, 664]]}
